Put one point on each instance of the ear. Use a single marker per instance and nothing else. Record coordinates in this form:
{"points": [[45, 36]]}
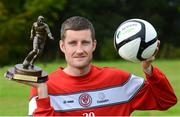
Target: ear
{"points": [[94, 44], [61, 45]]}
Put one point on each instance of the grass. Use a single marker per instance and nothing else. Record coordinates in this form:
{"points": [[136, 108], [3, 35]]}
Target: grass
{"points": [[14, 96]]}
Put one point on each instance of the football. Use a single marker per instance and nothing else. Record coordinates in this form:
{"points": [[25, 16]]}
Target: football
{"points": [[135, 40]]}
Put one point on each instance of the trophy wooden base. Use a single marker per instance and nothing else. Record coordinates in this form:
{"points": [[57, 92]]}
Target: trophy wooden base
{"points": [[32, 74]]}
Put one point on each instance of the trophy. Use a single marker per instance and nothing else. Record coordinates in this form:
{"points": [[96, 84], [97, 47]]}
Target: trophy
{"points": [[27, 71]]}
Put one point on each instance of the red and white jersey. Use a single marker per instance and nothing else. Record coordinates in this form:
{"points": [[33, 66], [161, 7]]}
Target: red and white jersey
{"points": [[102, 92]]}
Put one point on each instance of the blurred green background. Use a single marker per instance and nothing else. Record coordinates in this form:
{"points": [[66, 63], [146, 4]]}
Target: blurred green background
{"points": [[17, 17]]}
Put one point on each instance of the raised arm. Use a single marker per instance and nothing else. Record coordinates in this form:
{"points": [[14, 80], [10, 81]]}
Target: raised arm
{"points": [[48, 32], [32, 32], [157, 93]]}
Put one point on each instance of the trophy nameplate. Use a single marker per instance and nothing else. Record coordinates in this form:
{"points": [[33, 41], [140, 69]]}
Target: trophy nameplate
{"points": [[35, 74]]}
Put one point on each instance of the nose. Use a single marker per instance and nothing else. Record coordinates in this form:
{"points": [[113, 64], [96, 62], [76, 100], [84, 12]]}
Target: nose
{"points": [[79, 48]]}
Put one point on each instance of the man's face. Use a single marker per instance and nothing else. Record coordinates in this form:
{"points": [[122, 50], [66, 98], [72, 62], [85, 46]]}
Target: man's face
{"points": [[78, 48]]}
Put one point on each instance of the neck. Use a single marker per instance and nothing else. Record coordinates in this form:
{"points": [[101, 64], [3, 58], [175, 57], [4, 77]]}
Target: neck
{"points": [[77, 71]]}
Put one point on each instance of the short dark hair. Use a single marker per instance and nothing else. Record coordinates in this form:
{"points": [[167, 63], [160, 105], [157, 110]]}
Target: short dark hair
{"points": [[77, 23]]}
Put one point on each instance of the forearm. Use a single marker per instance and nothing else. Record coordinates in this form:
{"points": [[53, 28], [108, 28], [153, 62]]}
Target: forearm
{"points": [[39, 104], [32, 32], [42, 90]]}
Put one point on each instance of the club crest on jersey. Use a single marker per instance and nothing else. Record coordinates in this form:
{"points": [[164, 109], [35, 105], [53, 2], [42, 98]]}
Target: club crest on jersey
{"points": [[85, 100]]}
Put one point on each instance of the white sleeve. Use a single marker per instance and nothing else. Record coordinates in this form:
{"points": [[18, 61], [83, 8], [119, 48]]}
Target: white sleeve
{"points": [[32, 105]]}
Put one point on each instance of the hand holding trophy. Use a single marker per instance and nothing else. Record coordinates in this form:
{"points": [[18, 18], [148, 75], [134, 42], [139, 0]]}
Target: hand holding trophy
{"points": [[27, 71]]}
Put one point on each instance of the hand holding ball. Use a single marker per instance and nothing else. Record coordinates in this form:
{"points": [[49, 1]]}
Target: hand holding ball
{"points": [[135, 40]]}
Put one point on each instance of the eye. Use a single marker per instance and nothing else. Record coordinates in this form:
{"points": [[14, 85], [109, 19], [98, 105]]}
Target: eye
{"points": [[86, 42], [72, 43]]}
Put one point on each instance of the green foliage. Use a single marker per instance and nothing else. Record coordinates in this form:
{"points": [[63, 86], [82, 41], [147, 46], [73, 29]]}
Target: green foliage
{"points": [[3, 54], [169, 51], [107, 51], [17, 16], [49, 8]]}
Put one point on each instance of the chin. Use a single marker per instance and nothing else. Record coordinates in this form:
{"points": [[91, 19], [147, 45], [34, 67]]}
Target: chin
{"points": [[81, 65]]}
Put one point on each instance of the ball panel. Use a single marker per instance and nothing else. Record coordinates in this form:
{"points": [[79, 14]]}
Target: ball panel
{"points": [[127, 30], [149, 51], [150, 32], [139, 33], [130, 50]]}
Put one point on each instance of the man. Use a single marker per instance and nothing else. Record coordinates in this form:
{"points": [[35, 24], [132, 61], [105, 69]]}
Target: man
{"points": [[39, 32], [82, 89]]}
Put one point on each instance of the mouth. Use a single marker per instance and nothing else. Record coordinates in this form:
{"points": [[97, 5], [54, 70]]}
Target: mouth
{"points": [[80, 57]]}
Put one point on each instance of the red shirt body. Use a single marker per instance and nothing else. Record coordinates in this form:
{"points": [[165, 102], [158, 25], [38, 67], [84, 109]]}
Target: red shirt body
{"points": [[102, 92]]}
